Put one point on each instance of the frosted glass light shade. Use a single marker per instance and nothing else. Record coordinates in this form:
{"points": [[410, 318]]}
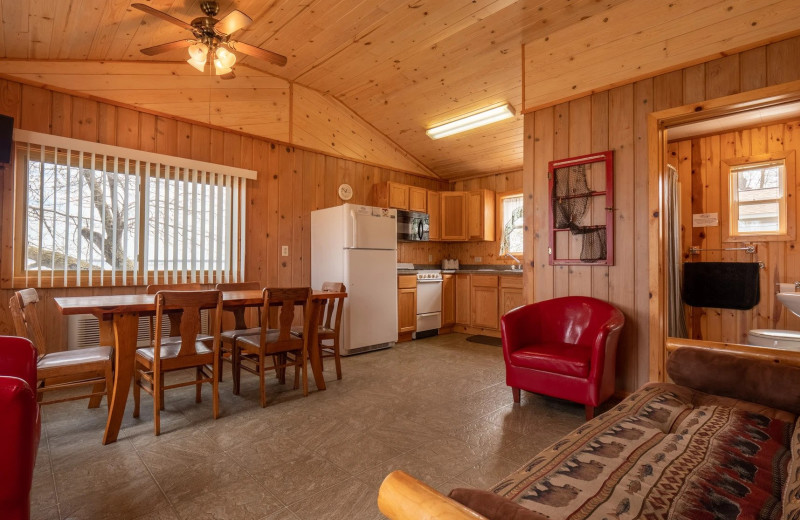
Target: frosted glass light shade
{"points": [[225, 58], [199, 65], [198, 52]]}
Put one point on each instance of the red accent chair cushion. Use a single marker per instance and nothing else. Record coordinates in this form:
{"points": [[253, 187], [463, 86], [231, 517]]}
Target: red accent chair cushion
{"points": [[19, 435], [565, 348]]}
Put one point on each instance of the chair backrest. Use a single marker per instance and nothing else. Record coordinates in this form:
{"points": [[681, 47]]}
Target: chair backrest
{"points": [[27, 324], [188, 304], [332, 309], [174, 322], [239, 312], [284, 301], [575, 319]]}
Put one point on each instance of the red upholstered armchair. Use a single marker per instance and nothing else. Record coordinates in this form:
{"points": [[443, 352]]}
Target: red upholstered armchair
{"points": [[19, 434], [565, 348]]}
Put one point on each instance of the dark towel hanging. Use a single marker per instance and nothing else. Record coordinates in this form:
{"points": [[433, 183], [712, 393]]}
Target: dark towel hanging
{"points": [[723, 285]]}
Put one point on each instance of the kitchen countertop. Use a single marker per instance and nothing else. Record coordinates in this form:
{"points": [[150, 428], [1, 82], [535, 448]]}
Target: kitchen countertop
{"points": [[481, 270]]}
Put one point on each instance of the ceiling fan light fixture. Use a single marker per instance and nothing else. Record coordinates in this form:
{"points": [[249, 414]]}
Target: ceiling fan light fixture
{"points": [[199, 65], [225, 59], [198, 51], [220, 70], [474, 120]]}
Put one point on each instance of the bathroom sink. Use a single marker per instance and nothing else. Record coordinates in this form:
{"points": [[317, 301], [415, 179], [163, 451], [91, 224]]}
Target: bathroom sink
{"points": [[790, 300]]}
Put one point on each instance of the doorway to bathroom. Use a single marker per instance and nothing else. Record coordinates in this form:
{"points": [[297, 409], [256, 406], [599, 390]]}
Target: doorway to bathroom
{"points": [[707, 145]]}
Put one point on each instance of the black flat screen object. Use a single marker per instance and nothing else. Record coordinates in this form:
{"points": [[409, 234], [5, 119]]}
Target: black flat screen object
{"points": [[6, 129]]}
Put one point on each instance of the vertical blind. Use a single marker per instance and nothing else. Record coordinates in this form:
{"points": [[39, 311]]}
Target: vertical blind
{"points": [[105, 215]]}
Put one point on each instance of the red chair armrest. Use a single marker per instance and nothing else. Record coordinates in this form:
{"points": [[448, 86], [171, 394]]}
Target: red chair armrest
{"points": [[18, 358]]}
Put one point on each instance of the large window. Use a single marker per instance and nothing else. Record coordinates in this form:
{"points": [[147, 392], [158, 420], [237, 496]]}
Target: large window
{"points": [[760, 201], [94, 215], [511, 223]]}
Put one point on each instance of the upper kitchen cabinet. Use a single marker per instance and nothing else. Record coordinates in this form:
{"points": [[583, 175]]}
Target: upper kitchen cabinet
{"points": [[401, 196], [480, 215], [435, 213], [417, 199], [454, 215], [391, 195]]}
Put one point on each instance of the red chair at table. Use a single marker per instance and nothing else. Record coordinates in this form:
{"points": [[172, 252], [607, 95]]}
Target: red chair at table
{"points": [[19, 434], [564, 348]]}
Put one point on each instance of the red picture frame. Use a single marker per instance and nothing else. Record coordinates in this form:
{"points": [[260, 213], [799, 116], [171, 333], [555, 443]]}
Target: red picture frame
{"points": [[605, 196]]}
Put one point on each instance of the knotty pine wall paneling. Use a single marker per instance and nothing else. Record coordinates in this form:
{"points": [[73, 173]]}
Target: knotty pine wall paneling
{"points": [[616, 119], [700, 163], [291, 183]]}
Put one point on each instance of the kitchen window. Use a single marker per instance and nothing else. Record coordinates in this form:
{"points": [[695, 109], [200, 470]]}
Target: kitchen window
{"points": [[510, 205], [759, 203], [92, 214]]}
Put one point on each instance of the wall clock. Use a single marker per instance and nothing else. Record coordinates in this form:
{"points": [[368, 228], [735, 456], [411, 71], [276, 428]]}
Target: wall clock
{"points": [[345, 192]]}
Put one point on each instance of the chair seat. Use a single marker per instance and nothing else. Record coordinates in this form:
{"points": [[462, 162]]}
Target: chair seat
{"points": [[170, 351], [254, 340], [298, 331], [559, 358], [231, 335], [82, 359]]}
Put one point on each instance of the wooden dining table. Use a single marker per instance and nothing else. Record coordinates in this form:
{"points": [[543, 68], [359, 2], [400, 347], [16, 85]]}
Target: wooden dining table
{"points": [[119, 322]]}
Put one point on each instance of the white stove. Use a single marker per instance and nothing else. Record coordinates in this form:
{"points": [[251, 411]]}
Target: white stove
{"points": [[429, 276], [429, 302]]}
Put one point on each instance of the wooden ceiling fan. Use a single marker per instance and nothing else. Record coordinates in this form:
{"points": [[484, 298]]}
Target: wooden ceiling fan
{"points": [[212, 39]]}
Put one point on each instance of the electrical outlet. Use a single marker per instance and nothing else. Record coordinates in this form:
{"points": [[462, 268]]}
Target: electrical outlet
{"points": [[478, 259], [284, 250], [430, 258]]}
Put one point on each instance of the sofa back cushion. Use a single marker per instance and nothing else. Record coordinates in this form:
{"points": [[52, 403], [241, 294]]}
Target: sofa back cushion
{"points": [[732, 375]]}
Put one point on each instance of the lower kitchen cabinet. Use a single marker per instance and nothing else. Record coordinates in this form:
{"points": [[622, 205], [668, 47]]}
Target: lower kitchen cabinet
{"points": [[485, 302], [510, 293], [463, 308], [448, 300], [406, 303]]}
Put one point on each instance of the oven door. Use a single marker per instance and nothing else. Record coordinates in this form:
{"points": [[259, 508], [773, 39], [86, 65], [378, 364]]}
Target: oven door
{"points": [[412, 226]]}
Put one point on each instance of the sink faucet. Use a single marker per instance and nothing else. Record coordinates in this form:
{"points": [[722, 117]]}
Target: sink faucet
{"points": [[519, 264]]}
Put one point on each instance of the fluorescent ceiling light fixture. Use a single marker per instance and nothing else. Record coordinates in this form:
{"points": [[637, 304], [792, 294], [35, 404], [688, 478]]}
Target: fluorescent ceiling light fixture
{"points": [[484, 117]]}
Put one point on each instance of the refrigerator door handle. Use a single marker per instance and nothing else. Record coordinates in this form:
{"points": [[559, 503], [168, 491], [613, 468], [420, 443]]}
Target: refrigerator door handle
{"points": [[354, 218]]}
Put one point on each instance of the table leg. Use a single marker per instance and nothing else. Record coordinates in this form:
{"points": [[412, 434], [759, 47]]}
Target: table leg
{"points": [[313, 349], [106, 339], [126, 326]]}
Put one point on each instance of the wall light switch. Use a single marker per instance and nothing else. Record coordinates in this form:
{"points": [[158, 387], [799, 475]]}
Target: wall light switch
{"points": [[284, 250]]}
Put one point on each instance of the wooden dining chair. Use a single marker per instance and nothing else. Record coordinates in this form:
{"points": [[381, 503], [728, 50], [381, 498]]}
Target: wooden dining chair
{"points": [[68, 368], [240, 328], [329, 328], [153, 362], [250, 353]]}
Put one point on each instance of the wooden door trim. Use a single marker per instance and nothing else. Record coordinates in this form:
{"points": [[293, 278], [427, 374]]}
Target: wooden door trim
{"points": [[658, 124]]}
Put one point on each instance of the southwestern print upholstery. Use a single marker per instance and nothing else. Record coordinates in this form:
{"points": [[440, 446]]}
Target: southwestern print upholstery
{"points": [[667, 452], [791, 495]]}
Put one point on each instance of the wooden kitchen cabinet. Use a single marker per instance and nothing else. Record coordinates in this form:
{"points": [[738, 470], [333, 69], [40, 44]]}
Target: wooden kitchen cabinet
{"points": [[454, 218], [485, 301], [448, 300], [510, 293], [407, 303], [398, 195], [480, 215], [417, 199], [435, 214], [463, 297]]}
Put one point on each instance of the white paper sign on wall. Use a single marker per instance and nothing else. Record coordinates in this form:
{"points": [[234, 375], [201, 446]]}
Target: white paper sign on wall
{"points": [[705, 219]]}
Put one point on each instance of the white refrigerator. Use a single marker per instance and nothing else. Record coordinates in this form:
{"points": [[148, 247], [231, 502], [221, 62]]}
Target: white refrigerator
{"points": [[357, 245]]}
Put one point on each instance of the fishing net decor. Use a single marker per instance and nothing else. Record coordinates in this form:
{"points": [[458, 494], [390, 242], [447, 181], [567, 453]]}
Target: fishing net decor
{"points": [[570, 201]]}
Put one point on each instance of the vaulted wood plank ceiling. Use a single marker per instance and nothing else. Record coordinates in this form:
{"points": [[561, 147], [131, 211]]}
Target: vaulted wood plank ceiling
{"points": [[401, 65]]}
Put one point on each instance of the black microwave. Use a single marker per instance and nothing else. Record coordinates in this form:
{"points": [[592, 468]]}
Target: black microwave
{"points": [[412, 226]]}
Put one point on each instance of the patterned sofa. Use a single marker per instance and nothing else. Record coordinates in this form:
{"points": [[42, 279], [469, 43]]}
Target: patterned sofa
{"points": [[722, 441]]}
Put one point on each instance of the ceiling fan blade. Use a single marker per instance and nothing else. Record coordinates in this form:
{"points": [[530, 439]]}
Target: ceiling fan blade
{"points": [[164, 47], [256, 52], [229, 75], [164, 16], [232, 22]]}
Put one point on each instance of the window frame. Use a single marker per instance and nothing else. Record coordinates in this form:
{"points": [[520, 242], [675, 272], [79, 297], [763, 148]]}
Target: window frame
{"points": [[500, 197], [16, 243], [729, 212]]}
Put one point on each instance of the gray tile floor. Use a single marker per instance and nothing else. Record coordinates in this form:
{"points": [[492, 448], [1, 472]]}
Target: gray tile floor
{"points": [[437, 408]]}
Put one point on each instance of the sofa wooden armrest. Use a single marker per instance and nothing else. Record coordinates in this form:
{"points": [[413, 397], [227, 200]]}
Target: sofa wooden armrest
{"points": [[402, 497]]}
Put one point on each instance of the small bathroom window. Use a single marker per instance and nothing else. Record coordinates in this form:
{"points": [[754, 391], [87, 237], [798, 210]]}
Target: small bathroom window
{"points": [[761, 206]]}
